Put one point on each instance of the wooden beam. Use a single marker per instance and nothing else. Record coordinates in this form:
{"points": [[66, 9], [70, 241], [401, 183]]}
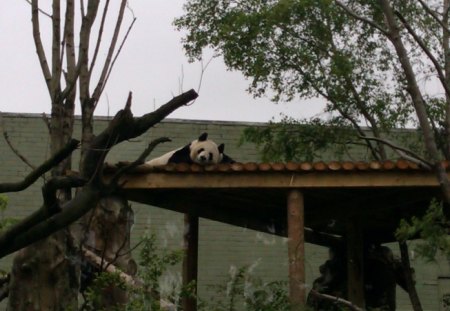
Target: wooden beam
{"points": [[296, 249], [355, 262], [190, 261], [292, 180]]}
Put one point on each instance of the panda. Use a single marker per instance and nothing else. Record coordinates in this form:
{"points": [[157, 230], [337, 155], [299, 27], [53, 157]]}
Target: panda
{"points": [[202, 151]]}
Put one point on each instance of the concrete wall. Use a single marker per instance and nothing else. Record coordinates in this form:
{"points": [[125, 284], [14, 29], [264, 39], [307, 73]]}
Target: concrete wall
{"points": [[221, 246]]}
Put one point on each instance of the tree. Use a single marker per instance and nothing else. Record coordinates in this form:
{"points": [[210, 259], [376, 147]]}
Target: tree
{"points": [[54, 216], [45, 275], [304, 49], [363, 58]]}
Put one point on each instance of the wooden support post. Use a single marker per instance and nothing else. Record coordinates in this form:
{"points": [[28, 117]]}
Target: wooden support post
{"points": [[296, 248], [190, 261], [355, 262]]}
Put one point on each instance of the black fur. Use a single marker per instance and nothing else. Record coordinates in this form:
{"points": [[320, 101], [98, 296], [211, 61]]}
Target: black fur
{"points": [[225, 158], [203, 137], [182, 156]]}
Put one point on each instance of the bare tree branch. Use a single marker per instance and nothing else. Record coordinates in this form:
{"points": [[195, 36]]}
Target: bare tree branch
{"points": [[336, 300], [13, 149], [200, 81], [50, 189], [109, 64], [40, 10], [40, 170], [139, 161], [46, 121], [414, 91], [361, 18], [116, 56], [403, 152], [69, 42], [38, 44], [50, 207], [434, 15], [98, 262], [56, 50], [109, 56], [425, 49], [121, 128], [85, 33], [82, 10], [99, 36]]}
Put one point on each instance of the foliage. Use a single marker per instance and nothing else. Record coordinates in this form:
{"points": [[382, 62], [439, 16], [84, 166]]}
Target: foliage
{"points": [[153, 263], [432, 228], [301, 140], [5, 222], [306, 49], [244, 291], [102, 283]]}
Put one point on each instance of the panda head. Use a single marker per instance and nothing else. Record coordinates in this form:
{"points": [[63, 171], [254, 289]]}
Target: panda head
{"points": [[204, 151]]}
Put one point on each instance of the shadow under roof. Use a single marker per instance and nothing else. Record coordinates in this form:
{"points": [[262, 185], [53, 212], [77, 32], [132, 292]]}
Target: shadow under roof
{"points": [[254, 195]]}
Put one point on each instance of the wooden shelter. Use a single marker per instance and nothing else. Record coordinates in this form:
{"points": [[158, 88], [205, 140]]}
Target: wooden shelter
{"points": [[321, 203]]}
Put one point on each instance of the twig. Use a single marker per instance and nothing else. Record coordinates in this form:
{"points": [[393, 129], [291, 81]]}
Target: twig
{"points": [[336, 300], [46, 121], [361, 18], [13, 149], [110, 268], [433, 14], [40, 170], [134, 282], [427, 51], [107, 64], [138, 161], [40, 10], [200, 82], [406, 153], [116, 56]]}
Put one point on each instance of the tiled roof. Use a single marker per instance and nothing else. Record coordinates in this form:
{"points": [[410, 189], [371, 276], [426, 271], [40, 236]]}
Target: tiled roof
{"points": [[401, 164]]}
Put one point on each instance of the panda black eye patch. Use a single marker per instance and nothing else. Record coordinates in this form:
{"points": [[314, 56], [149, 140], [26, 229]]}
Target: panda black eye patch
{"points": [[200, 150]]}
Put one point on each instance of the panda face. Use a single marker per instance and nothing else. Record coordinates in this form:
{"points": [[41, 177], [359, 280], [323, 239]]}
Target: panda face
{"points": [[204, 152]]}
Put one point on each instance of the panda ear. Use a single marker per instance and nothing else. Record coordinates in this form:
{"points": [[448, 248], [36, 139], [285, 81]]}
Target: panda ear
{"points": [[221, 148], [203, 137]]}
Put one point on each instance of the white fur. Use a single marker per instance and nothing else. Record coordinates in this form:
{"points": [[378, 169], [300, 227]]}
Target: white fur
{"points": [[161, 160], [202, 157]]}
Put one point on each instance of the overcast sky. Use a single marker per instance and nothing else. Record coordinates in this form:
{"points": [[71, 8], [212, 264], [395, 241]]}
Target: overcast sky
{"points": [[151, 65]]}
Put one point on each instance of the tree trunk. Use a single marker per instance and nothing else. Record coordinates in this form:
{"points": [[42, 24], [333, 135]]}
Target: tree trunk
{"points": [[412, 292], [417, 99], [446, 50], [44, 276], [108, 236]]}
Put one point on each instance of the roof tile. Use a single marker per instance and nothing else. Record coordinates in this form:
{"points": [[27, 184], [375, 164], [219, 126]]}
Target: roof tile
{"points": [[401, 164]]}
